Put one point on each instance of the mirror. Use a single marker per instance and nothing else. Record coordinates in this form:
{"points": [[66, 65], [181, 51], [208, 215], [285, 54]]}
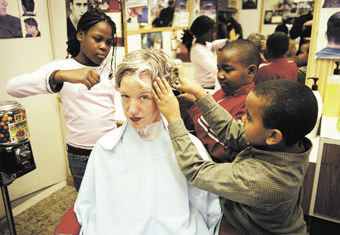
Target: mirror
{"points": [[164, 16], [280, 15], [276, 12]]}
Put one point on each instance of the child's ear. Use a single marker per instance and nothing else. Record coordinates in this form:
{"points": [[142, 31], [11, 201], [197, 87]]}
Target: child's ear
{"points": [[275, 137], [80, 36], [252, 70]]}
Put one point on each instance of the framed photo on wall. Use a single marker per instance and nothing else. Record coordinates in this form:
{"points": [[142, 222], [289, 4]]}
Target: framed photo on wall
{"points": [[76, 8], [181, 16], [208, 8], [249, 4], [268, 17], [19, 19], [328, 43]]}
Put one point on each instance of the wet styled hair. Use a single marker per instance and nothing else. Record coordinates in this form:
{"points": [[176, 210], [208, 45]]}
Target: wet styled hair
{"points": [[288, 106], [248, 51], [28, 4], [87, 21], [31, 22], [153, 62], [333, 28], [278, 44], [199, 27]]}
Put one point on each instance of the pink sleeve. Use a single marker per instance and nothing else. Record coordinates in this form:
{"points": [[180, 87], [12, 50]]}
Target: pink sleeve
{"points": [[29, 84], [217, 44], [203, 60]]}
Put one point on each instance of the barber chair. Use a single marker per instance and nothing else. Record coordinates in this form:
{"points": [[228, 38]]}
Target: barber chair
{"points": [[68, 224]]}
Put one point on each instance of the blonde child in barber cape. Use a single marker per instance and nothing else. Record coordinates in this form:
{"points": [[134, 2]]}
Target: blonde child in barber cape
{"points": [[132, 183]]}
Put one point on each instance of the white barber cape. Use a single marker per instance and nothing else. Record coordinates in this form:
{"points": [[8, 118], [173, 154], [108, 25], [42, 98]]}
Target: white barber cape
{"points": [[132, 187]]}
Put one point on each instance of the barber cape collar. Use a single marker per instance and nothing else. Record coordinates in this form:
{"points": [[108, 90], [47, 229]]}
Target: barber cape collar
{"points": [[150, 132]]}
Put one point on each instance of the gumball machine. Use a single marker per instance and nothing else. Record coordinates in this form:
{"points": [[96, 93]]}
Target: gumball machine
{"points": [[16, 158]]}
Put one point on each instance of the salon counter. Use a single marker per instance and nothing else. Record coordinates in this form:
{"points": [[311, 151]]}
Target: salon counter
{"points": [[322, 180]]}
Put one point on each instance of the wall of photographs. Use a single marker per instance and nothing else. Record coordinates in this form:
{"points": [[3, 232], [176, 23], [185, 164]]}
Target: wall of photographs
{"points": [[75, 9], [157, 23], [148, 23], [328, 40], [160, 23], [286, 12], [277, 12], [19, 19]]}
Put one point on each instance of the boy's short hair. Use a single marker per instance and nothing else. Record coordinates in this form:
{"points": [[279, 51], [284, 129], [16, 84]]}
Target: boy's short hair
{"points": [[278, 44], [282, 28], [333, 27], [248, 52], [289, 106]]}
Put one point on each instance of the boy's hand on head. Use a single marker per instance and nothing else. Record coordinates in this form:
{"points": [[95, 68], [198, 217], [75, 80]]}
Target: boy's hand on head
{"points": [[166, 100], [86, 76], [189, 85]]}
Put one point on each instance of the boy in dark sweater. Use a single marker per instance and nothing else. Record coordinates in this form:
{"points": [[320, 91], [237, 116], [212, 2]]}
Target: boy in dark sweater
{"points": [[261, 190]]}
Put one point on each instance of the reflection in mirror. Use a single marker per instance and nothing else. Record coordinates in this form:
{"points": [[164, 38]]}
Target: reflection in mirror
{"points": [[137, 12], [152, 40], [260, 42], [295, 18], [165, 17], [227, 26]]}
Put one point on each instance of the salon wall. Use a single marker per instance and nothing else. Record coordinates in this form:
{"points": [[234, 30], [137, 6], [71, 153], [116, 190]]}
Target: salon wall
{"points": [[267, 29], [249, 18], [57, 21], [43, 111], [255, 16], [20, 55], [321, 68], [134, 42]]}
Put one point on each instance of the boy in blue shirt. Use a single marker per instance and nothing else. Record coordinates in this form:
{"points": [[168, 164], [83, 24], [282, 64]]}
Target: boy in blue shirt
{"points": [[261, 190]]}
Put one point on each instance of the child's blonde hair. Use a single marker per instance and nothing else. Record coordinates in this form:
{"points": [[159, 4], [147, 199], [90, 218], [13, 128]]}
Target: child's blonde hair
{"points": [[153, 62]]}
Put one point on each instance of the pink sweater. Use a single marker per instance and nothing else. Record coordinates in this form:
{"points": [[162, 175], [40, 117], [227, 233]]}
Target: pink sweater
{"points": [[202, 58], [89, 114]]}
